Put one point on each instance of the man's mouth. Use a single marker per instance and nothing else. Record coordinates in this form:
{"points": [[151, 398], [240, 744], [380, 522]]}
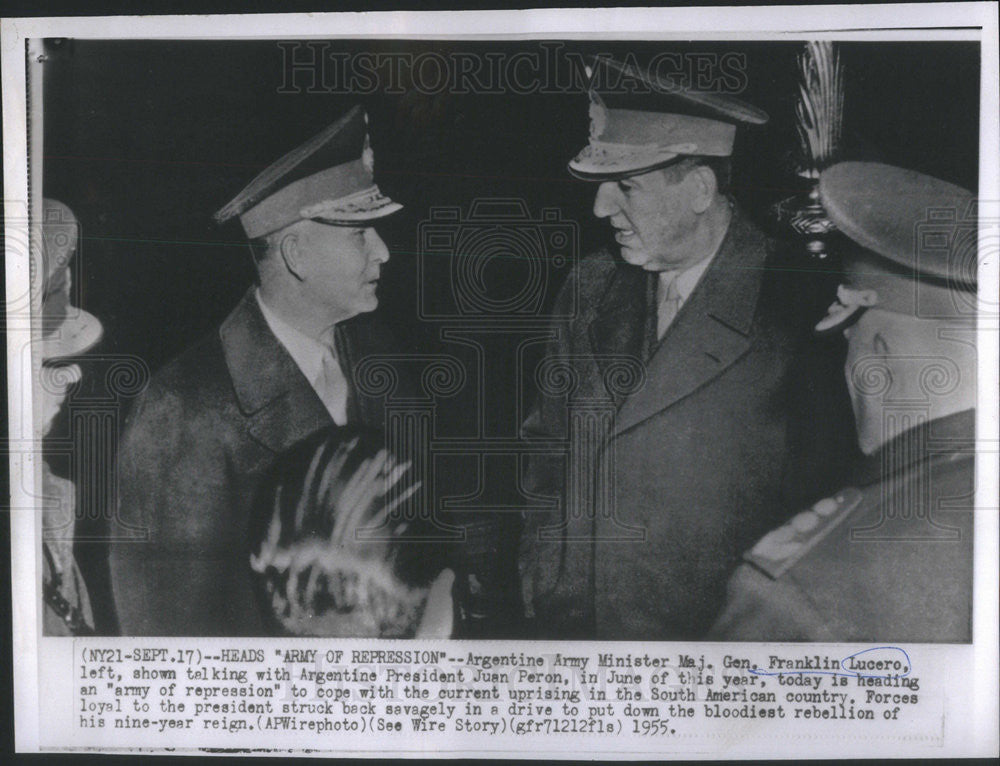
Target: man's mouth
{"points": [[621, 235]]}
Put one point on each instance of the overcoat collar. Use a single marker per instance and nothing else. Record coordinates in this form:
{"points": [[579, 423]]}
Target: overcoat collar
{"points": [[951, 438], [713, 329], [278, 402]]}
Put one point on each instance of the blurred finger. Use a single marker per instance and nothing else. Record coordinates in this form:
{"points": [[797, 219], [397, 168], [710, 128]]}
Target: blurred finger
{"points": [[380, 519], [349, 497], [305, 499], [330, 477], [437, 620], [393, 476]]}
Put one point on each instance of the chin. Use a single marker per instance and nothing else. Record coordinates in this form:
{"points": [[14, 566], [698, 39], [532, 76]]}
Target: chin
{"points": [[634, 257], [870, 429]]}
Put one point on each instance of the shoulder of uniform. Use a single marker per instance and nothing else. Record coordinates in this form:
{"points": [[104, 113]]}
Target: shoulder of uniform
{"points": [[190, 369], [783, 547], [189, 381], [597, 262], [589, 277]]}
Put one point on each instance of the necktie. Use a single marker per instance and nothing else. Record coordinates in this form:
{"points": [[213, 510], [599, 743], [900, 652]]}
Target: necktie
{"points": [[669, 306], [331, 385]]}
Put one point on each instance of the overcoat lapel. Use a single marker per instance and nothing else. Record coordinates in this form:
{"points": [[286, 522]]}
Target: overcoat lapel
{"points": [[278, 402], [356, 339], [621, 325], [713, 329]]}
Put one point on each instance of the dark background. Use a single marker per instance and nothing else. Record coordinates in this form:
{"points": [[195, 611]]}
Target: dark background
{"points": [[144, 140]]}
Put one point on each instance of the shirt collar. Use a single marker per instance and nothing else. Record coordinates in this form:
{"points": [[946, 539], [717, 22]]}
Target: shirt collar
{"points": [[686, 280], [307, 352]]}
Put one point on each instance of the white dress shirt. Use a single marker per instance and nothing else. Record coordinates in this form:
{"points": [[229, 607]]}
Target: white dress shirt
{"points": [[684, 283], [316, 360]]}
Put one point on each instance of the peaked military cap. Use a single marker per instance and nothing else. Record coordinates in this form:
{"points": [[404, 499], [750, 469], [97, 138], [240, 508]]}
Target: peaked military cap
{"points": [[329, 178], [653, 123], [916, 251]]}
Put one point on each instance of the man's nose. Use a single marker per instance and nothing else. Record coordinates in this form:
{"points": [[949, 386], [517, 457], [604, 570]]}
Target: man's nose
{"points": [[606, 201], [377, 251]]}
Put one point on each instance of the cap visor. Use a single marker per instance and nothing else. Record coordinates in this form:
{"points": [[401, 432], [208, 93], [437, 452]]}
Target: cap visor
{"points": [[588, 171]]}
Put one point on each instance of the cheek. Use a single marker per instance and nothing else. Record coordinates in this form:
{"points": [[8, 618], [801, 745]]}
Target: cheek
{"points": [[851, 370], [659, 219], [642, 220], [358, 263], [345, 268], [661, 231]]}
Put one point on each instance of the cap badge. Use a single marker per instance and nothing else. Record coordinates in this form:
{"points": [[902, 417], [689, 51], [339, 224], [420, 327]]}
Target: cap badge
{"points": [[368, 157]]}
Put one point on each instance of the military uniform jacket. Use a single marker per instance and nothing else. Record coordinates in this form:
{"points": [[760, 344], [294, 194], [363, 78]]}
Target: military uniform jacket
{"points": [[888, 559], [679, 447], [194, 447]]}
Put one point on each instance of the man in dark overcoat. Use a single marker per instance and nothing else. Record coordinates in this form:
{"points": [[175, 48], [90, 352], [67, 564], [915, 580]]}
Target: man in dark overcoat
{"points": [[670, 380], [213, 420]]}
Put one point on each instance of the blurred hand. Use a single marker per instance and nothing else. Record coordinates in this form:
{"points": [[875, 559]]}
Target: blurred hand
{"points": [[328, 559], [438, 618]]}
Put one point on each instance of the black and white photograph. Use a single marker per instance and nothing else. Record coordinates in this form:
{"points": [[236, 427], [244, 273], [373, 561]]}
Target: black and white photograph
{"points": [[496, 344]]}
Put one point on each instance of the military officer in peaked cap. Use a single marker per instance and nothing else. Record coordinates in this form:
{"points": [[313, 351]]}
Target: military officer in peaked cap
{"points": [[888, 558], [67, 332], [690, 467], [277, 370]]}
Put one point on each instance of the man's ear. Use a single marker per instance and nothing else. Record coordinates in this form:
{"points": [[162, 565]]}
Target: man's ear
{"points": [[704, 186], [288, 246]]}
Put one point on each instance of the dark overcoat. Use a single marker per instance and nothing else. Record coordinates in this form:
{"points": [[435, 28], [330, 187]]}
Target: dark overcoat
{"points": [[680, 448], [195, 445], [887, 560]]}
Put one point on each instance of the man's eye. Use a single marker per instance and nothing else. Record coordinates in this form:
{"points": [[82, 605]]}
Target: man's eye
{"points": [[627, 186]]}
